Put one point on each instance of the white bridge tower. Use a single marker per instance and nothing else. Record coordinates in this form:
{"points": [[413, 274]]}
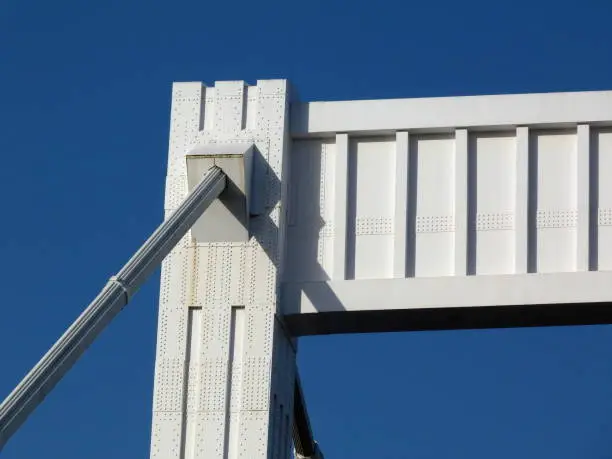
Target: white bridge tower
{"points": [[381, 215]]}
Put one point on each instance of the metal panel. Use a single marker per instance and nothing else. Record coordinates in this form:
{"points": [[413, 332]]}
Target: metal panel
{"points": [[371, 208], [166, 435], [493, 162], [449, 292], [311, 119], [434, 206], [341, 184], [459, 212], [311, 211], [554, 157], [217, 336]]}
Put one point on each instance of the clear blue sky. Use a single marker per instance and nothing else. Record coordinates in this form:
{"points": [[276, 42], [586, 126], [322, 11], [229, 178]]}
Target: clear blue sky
{"points": [[84, 116]]}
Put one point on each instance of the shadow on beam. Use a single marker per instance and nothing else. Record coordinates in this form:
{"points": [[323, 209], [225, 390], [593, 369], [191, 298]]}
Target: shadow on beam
{"points": [[454, 318]]}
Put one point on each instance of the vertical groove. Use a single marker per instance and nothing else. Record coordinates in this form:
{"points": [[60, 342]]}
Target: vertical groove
{"points": [[583, 189], [521, 201], [400, 217], [245, 103], [461, 201], [203, 113], [413, 172], [533, 166], [236, 349], [594, 201], [472, 205], [250, 107], [340, 206], [192, 353], [350, 258], [208, 119]]}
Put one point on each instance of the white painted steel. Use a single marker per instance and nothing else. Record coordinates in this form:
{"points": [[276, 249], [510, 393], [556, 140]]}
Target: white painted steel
{"points": [[400, 212], [469, 202], [521, 201], [429, 213], [224, 389], [315, 119], [461, 202], [483, 190], [32, 390], [449, 292], [341, 190], [602, 207], [583, 198], [227, 219]]}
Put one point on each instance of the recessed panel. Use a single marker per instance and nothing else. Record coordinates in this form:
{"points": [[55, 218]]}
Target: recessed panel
{"points": [[432, 164], [492, 159], [371, 206], [554, 184]]}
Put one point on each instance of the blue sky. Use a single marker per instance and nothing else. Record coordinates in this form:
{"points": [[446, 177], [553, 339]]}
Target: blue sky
{"points": [[84, 116]]}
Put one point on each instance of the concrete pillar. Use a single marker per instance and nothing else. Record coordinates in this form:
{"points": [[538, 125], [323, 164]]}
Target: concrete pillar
{"points": [[225, 368]]}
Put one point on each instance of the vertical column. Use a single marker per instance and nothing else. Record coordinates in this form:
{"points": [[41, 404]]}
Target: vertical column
{"points": [[174, 367], [223, 365], [185, 122], [521, 204], [583, 188], [229, 106], [461, 201], [340, 206], [400, 217]]}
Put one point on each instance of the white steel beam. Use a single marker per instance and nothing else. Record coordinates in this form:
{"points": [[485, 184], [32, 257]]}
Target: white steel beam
{"points": [[461, 198], [521, 202], [340, 206], [400, 215], [583, 198], [326, 118], [355, 306], [448, 292]]}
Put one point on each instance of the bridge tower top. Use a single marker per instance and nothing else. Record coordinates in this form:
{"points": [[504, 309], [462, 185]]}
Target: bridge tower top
{"points": [[373, 215]]}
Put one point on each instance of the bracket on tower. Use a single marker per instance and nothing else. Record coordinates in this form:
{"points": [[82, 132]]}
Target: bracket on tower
{"points": [[227, 219]]}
